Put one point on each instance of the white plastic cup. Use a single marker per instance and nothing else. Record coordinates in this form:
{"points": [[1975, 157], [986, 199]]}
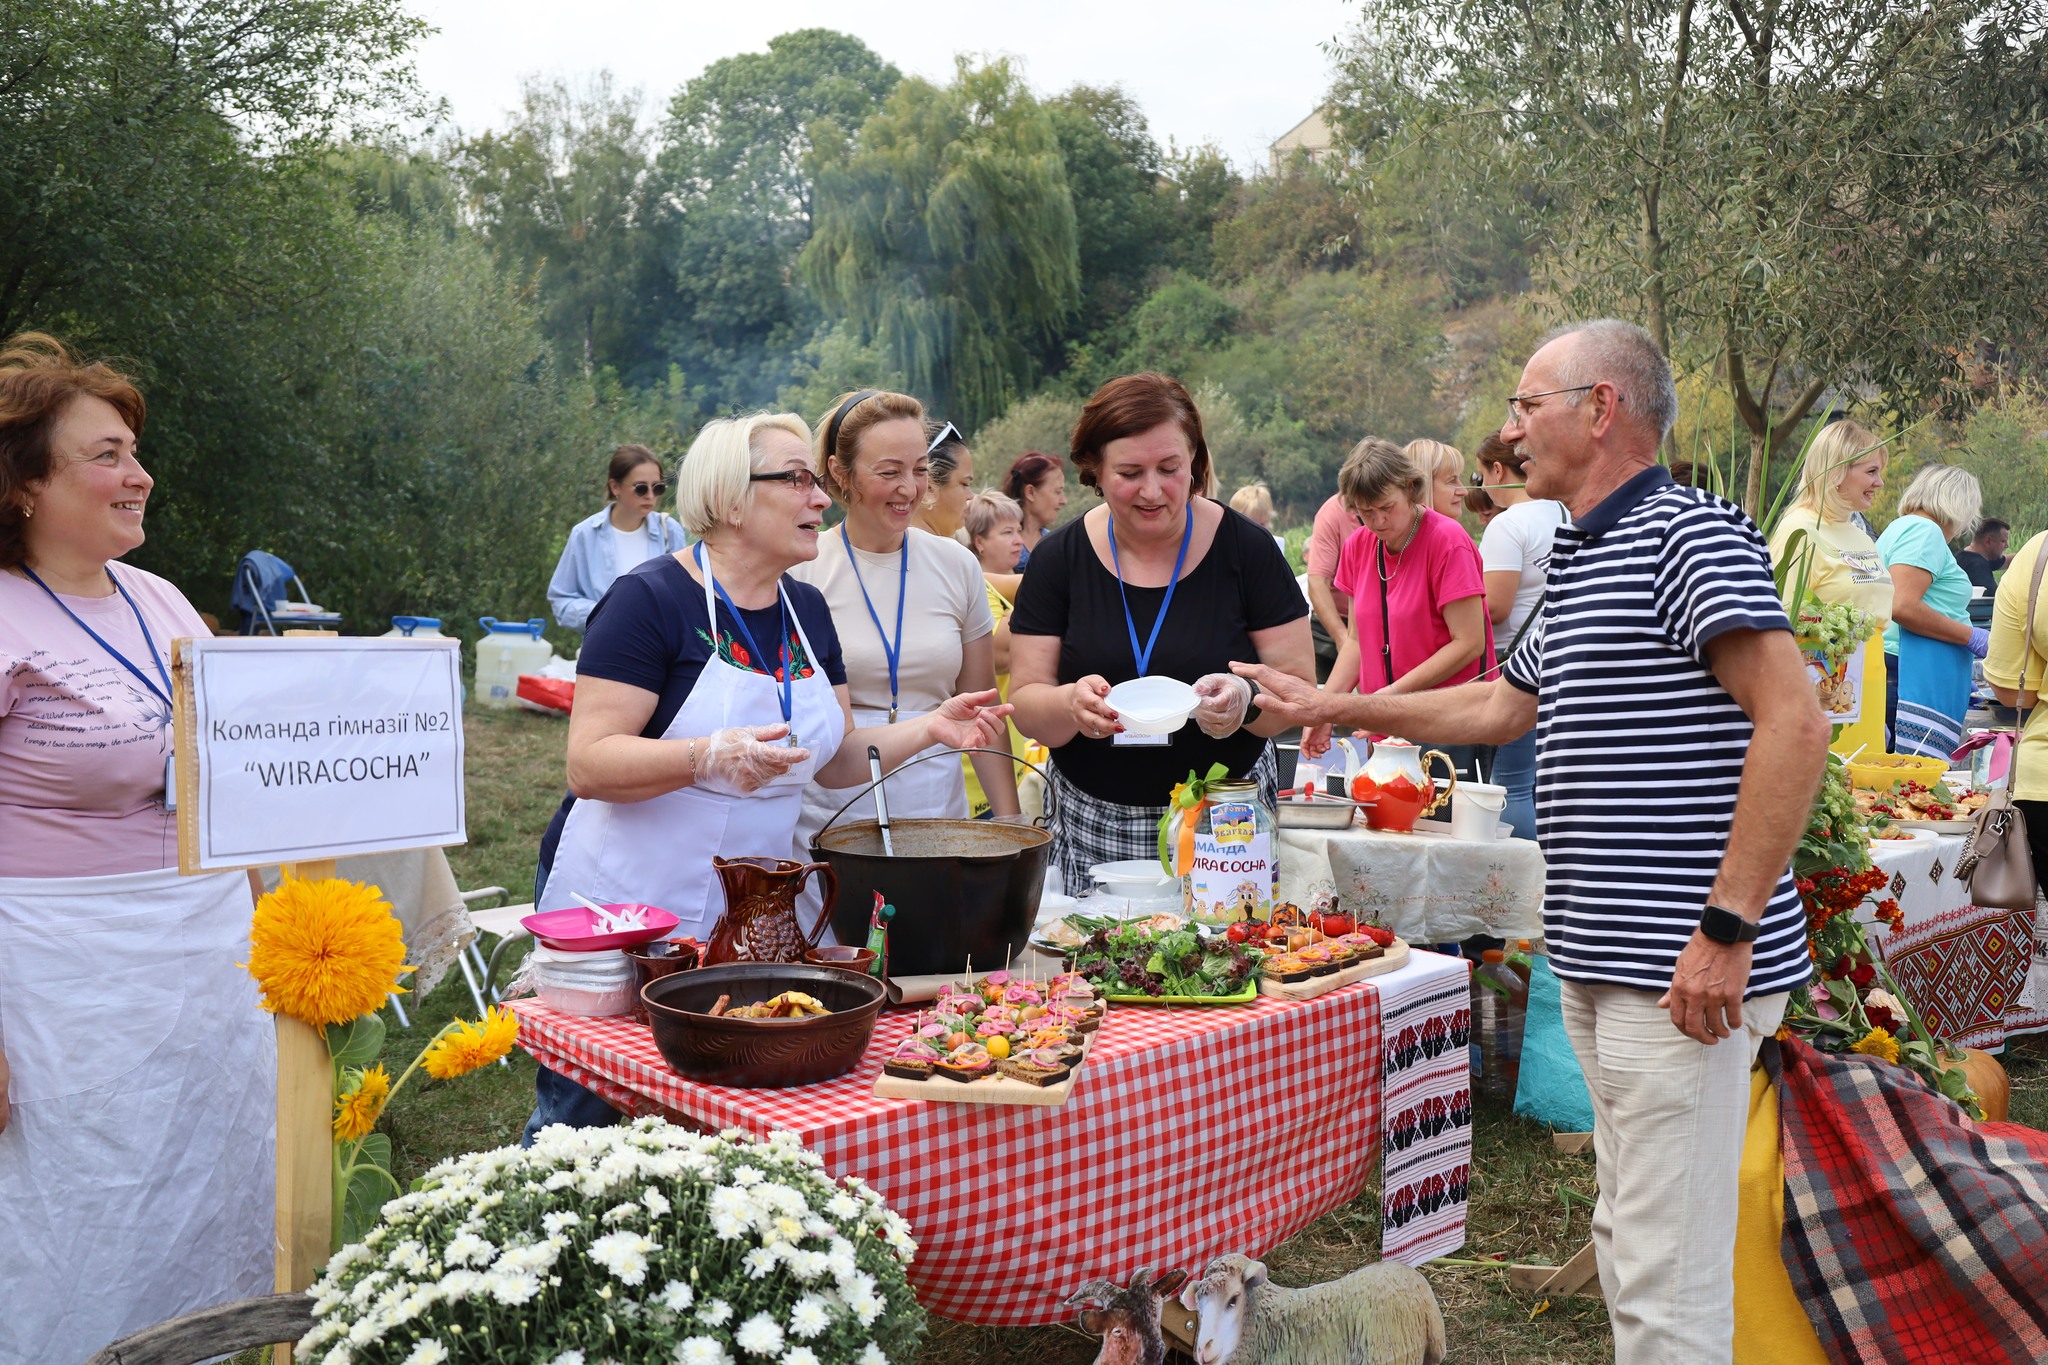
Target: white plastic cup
{"points": [[1476, 810]]}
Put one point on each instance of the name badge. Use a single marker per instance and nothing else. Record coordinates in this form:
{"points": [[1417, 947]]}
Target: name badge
{"points": [[170, 781], [1124, 739]]}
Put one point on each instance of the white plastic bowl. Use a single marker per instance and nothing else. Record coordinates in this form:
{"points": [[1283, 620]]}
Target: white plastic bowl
{"points": [[1152, 705], [1137, 879]]}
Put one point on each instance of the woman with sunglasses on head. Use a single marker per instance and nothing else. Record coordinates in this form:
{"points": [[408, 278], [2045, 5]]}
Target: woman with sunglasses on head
{"points": [[910, 606], [711, 696], [625, 534], [944, 508]]}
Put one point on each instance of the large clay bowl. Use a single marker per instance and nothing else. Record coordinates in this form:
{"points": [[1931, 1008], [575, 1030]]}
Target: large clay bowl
{"points": [[762, 1054]]}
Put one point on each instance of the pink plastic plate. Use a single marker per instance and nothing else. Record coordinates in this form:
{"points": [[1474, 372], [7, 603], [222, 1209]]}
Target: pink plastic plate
{"points": [[574, 930]]}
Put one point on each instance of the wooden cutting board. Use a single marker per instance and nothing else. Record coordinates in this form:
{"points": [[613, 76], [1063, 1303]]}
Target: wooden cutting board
{"points": [[992, 1089], [1395, 956]]}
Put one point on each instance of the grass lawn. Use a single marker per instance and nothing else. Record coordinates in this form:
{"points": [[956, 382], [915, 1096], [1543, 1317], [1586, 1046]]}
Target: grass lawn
{"points": [[1528, 1202]]}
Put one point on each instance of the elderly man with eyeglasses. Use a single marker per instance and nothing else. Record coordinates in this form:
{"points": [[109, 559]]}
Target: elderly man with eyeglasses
{"points": [[1678, 750]]}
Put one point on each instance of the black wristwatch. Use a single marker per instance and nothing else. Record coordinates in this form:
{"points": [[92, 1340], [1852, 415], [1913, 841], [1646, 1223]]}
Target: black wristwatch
{"points": [[1251, 707], [1725, 926]]}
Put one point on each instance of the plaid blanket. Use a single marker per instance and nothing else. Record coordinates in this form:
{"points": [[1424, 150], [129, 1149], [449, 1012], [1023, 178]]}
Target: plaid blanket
{"points": [[1912, 1232]]}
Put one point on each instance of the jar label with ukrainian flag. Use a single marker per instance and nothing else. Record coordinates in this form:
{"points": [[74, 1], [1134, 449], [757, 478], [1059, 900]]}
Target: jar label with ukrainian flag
{"points": [[1232, 877]]}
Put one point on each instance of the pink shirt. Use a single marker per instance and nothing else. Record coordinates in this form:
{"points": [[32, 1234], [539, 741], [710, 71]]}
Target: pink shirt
{"points": [[1438, 567], [1325, 546], [82, 742]]}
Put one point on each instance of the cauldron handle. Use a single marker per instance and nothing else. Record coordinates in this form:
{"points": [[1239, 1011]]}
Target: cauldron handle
{"points": [[923, 758], [828, 898]]}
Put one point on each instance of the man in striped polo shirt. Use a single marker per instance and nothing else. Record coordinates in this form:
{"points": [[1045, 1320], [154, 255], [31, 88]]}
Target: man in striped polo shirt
{"points": [[1678, 749]]}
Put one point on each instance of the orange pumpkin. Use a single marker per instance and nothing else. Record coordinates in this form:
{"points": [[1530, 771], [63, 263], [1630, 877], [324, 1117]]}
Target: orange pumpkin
{"points": [[1988, 1079]]}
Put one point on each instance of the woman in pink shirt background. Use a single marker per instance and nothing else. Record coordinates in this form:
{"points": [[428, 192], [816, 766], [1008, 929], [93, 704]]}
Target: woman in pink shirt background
{"points": [[1418, 596]]}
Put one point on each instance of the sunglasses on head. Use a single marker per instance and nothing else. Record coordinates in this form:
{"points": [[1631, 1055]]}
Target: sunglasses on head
{"points": [[946, 432], [640, 489]]}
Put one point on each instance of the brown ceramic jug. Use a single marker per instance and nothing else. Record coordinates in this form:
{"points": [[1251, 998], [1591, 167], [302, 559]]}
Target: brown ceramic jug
{"points": [[759, 923]]}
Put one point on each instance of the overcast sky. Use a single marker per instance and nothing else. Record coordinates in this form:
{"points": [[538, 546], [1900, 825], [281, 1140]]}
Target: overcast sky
{"points": [[1235, 74]]}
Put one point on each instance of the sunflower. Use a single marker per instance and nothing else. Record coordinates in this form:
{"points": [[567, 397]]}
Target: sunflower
{"points": [[325, 952], [355, 1113], [466, 1046], [1877, 1043]]}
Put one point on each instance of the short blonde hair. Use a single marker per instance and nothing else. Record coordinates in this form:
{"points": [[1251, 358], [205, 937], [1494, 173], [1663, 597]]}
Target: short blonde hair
{"points": [[1254, 500], [1949, 497], [1375, 468], [712, 485], [1828, 456], [1434, 458], [987, 510]]}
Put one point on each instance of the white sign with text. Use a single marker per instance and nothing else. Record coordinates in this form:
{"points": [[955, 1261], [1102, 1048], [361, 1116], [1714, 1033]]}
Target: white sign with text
{"points": [[302, 748]]}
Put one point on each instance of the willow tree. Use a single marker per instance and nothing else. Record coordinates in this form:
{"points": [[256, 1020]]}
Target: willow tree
{"points": [[945, 231], [1811, 195]]}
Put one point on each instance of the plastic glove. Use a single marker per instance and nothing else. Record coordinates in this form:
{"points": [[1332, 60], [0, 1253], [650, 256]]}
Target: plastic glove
{"points": [[1980, 641], [1220, 702], [1020, 818], [746, 758]]}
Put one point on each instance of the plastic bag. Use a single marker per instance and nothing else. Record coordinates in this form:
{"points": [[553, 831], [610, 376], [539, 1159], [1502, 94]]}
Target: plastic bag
{"points": [[1552, 1089]]}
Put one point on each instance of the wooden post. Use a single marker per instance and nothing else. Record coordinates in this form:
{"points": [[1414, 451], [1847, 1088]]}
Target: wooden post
{"points": [[305, 1138]]}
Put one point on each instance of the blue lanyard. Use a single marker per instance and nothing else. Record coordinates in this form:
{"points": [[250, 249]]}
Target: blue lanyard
{"points": [[163, 693], [1144, 656], [892, 651], [781, 645]]}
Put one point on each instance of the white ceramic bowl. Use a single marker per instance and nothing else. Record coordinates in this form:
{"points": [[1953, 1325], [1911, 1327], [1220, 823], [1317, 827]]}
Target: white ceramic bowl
{"points": [[1152, 705], [1137, 879]]}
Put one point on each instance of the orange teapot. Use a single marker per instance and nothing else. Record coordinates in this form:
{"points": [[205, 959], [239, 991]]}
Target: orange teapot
{"points": [[1395, 788]]}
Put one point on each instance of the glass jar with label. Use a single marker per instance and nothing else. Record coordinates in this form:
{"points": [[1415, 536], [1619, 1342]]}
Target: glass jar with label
{"points": [[1235, 870]]}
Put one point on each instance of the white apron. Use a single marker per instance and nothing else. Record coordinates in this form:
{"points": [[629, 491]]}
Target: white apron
{"points": [[658, 851], [137, 1173]]}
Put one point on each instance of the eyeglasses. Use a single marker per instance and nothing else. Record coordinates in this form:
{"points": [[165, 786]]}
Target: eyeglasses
{"points": [[640, 489], [1519, 404], [946, 431], [804, 479]]}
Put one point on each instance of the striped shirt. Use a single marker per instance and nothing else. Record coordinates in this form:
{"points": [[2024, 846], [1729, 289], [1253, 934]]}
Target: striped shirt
{"points": [[1638, 749]]}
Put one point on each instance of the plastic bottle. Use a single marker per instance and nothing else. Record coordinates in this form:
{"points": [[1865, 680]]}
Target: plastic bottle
{"points": [[415, 627], [1500, 1008], [508, 649]]}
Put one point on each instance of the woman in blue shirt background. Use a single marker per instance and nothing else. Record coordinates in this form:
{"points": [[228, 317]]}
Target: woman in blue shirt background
{"points": [[1931, 641], [626, 534]]}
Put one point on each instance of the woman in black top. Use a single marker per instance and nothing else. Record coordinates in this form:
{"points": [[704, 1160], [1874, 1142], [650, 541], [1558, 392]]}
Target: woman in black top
{"points": [[1101, 603]]}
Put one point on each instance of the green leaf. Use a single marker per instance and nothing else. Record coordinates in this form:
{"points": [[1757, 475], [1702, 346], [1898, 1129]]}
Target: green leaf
{"points": [[356, 1043], [369, 1186]]}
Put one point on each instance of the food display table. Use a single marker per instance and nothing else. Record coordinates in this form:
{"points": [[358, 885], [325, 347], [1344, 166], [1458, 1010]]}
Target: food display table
{"points": [[1966, 967], [1191, 1132], [1426, 886]]}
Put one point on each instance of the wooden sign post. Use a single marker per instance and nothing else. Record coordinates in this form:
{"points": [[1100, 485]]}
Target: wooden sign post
{"points": [[297, 751]]}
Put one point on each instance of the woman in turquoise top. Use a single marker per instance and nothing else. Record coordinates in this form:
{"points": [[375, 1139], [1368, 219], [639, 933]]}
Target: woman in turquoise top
{"points": [[1930, 642]]}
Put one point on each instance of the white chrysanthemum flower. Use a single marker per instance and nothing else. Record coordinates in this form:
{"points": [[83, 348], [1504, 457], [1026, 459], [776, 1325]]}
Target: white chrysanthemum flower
{"points": [[340, 1355], [427, 1352], [678, 1296], [871, 1354], [842, 1206], [731, 1213], [759, 1263], [568, 1358], [800, 1355], [555, 1223], [619, 1213], [716, 1313], [759, 1335], [746, 1176], [702, 1351], [624, 1254], [469, 1249], [808, 1265], [655, 1201], [810, 1316]]}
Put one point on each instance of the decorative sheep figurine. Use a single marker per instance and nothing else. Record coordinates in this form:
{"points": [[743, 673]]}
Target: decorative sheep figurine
{"points": [[1127, 1320], [1381, 1314]]}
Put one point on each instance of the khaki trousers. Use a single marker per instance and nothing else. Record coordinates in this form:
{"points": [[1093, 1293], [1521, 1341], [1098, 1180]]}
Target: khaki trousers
{"points": [[1668, 1121]]}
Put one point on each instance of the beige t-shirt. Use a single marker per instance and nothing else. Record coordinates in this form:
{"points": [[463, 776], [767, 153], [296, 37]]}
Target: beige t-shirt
{"points": [[1846, 565], [947, 607]]}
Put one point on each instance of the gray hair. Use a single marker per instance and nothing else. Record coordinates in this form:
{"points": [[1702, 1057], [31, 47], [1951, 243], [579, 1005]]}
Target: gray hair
{"points": [[1622, 354], [1949, 497]]}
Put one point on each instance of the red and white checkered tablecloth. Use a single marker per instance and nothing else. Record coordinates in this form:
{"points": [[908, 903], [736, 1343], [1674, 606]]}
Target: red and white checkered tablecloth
{"points": [[1191, 1132]]}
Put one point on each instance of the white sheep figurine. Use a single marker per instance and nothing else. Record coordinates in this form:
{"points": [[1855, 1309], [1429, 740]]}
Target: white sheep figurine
{"points": [[1381, 1314]]}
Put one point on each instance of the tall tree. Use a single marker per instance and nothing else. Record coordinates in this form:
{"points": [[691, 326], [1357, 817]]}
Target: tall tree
{"points": [[559, 195], [1123, 214], [733, 203], [1809, 195], [946, 231]]}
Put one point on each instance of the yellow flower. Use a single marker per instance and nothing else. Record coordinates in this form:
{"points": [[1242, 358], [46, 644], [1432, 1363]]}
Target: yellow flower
{"points": [[467, 1046], [1878, 1043], [355, 1113], [325, 952]]}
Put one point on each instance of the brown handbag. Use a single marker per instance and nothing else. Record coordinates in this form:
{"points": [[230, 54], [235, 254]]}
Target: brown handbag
{"points": [[1997, 860]]}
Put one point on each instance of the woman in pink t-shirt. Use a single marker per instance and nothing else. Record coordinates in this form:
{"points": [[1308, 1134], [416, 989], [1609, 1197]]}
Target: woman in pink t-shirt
{"points": [[1418, 595]]}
